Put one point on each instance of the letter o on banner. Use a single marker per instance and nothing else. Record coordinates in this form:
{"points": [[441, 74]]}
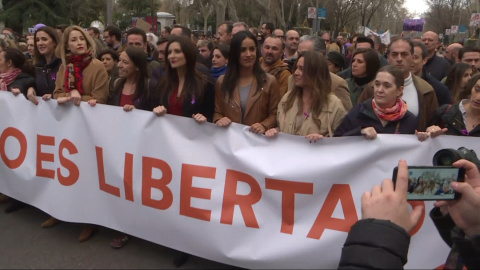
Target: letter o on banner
{"points": [[13, 132]]}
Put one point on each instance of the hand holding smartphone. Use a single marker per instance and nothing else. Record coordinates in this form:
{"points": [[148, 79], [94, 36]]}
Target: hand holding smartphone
{"points": [[432, 183]]}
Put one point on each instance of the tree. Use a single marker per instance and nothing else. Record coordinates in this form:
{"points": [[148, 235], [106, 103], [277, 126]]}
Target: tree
{"points": [[343, 12], [83, 12], [367, 10], [206, 9], [21, 14]]}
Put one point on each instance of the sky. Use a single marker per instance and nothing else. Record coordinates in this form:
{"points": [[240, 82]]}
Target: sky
{"points": [[416, 6]]}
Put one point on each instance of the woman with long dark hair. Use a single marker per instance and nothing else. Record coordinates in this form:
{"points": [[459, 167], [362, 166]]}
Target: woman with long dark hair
{"points": [[246, 94], [310, 109], [365, 64], [46, 63], [459, 119], [457, 78], [131, 92], [16, 76], [183, 90], [131, 88]]}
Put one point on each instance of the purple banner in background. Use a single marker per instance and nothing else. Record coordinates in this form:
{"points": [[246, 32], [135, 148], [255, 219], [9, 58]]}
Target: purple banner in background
{"points": [[413, 25]]}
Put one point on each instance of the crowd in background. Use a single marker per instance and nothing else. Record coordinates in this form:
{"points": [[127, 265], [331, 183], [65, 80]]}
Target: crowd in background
{"points": [[272, 80]]}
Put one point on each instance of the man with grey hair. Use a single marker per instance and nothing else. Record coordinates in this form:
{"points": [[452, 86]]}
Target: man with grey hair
{"points": [[239, 26], [339, 86], [312, 43]]}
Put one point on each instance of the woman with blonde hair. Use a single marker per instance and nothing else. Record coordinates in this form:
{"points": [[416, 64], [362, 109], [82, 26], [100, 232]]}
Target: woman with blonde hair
{"points": [[310, 109], [81, 77]]}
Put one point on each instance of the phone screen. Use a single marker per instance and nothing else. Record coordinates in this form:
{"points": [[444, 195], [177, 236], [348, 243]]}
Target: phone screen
{"points": [[432, 182]]}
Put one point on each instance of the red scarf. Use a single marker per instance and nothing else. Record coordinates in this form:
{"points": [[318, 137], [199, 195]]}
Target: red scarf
{"points": [[394, 113], [7, 78], [74, 71]]}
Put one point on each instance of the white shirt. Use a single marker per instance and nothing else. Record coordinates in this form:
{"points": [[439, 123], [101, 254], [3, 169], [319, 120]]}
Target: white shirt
{"points": [[410, 96]]}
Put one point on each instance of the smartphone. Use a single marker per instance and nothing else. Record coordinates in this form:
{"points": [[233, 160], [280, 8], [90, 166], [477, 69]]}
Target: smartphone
{"points": [[432, 183]]}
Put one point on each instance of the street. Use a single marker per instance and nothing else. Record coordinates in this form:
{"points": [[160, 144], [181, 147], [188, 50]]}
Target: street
{"points": [[24, 244]]}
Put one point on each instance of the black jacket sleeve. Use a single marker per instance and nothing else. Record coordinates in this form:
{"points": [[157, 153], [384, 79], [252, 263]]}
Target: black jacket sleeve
{"points": [[444, 225], [375, 244], [469, 249]]}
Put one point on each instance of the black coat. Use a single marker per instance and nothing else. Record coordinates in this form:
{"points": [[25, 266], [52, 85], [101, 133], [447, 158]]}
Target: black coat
{"points": [[468, 249], [444, 96], [362, 116], [143, 102], [46, 75], [22, 82], [205, 106], [450, 117], [388, 241]]}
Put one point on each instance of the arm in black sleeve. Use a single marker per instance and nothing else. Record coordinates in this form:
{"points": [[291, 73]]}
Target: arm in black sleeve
{"points": [[375, 244]]}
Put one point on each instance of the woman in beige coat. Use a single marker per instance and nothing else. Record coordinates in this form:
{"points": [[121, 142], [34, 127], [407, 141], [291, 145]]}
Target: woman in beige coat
{"points": [[310, 109], [81, 77]]}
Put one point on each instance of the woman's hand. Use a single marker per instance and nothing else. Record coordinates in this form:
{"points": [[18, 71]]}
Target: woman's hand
{"points": [[389, 203], [160, 110], [62, 100], [47, 97], [223, 122], [271, 132], [436, 131], [314, 137], [75, 97], [258, 128], [370, 133], [32, 96], [422, 136], [128, 108], [92, 102], [16, 91], [199, 118], [464, 211]]}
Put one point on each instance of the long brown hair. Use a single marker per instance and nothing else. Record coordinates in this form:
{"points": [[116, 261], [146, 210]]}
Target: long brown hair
{"points": [[52, 33], [454, 80], [316, 76], [194, 81]]}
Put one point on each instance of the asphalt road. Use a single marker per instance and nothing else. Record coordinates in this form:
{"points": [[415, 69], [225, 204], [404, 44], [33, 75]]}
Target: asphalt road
{"points": [[24, 244]]}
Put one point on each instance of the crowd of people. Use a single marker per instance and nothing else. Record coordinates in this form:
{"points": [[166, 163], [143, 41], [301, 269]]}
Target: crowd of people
{"points": [[273, 81]]}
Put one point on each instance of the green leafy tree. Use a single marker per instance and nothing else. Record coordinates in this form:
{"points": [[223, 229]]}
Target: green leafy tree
{"points": [[22, 14], [83, 12]]}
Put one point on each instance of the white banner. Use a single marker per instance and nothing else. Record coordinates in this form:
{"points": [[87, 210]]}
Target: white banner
{"points": [[223, 194], [384, 38]]}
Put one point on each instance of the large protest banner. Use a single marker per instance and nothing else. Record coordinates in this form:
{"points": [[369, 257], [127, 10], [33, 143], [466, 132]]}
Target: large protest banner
{"points": [[220, 193]]}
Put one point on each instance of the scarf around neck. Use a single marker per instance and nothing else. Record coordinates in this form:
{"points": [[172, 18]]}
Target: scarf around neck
{"points": [[7, 78], [74, 71], [217, 72], [394, 113]]}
